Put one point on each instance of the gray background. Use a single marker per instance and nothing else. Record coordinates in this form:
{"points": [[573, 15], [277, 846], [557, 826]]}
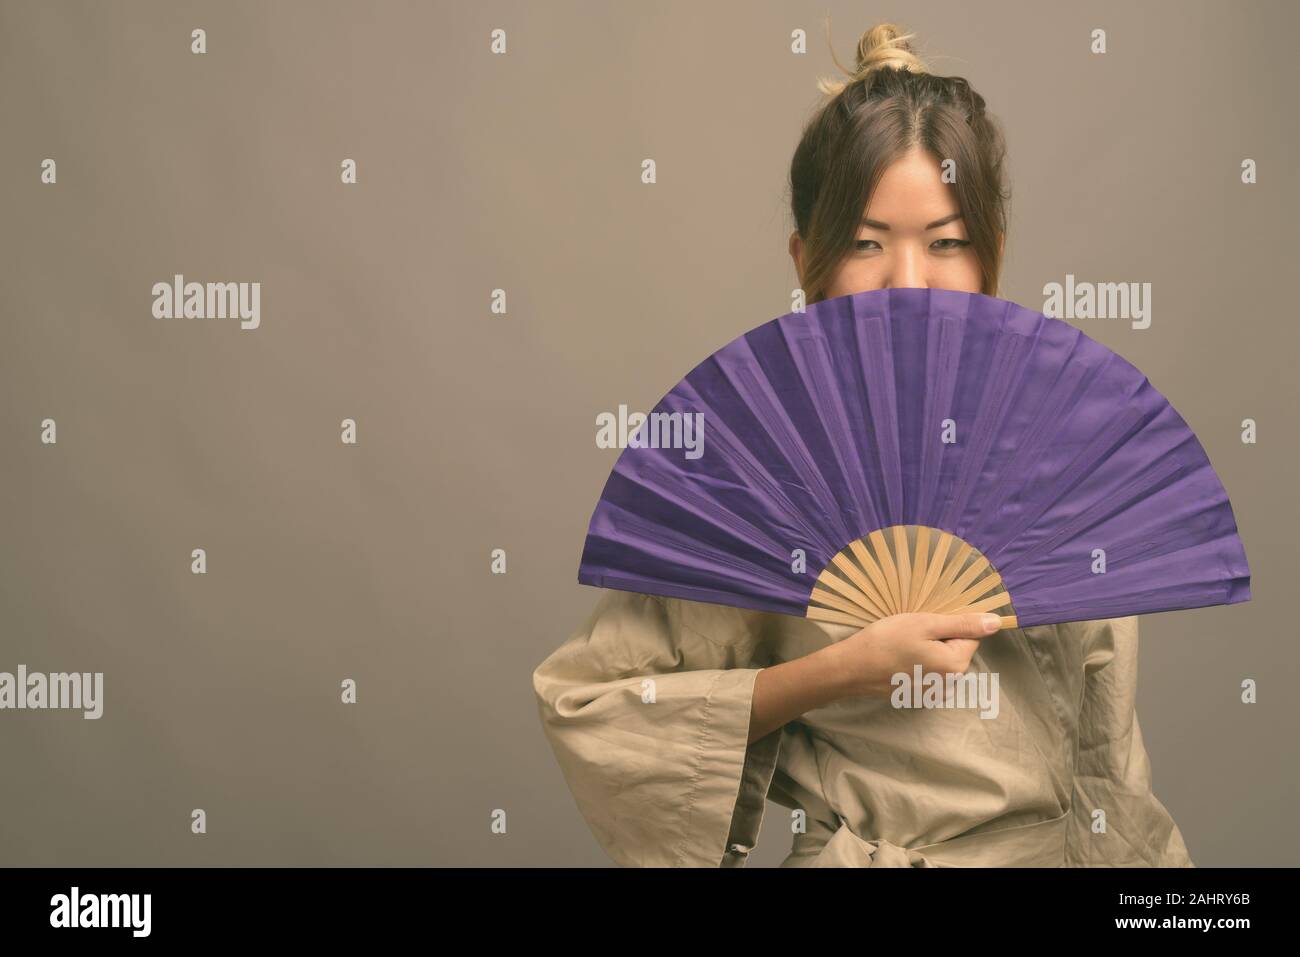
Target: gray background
{"points": [[477, 431]]}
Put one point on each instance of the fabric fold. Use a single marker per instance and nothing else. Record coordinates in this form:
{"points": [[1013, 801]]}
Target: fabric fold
{"points": [[647, 709]]}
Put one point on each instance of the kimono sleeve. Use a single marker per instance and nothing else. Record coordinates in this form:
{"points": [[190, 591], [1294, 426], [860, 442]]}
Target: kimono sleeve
{"points": [[1112, 769], [647, 708]]}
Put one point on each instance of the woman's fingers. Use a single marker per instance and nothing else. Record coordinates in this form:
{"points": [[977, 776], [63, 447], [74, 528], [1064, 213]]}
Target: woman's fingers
{"points": [[972, 625], [961, 651], [954, 639]]}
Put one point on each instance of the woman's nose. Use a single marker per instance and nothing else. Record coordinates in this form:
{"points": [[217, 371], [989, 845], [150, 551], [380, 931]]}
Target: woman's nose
{"points": [[908, 271]]}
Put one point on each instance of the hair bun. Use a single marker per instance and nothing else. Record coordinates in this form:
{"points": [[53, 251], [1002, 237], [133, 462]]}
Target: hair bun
{"points": [[884, 46]]}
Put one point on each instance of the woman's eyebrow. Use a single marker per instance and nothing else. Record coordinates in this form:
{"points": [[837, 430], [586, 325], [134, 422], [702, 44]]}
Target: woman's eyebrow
{"points": [[934, 225]]}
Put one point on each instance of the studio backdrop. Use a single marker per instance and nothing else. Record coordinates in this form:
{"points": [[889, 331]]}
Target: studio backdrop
{"points": [[312, 312]]}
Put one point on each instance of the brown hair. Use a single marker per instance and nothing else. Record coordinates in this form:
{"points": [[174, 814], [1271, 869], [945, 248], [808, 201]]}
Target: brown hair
{"points": [[889, 105]]}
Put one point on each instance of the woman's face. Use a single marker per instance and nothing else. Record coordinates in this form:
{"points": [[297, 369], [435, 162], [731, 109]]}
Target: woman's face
{"points": [[911, 236]]}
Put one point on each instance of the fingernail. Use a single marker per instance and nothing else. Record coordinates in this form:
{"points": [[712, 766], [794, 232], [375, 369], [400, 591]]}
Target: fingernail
{"points": [[992, 622]]}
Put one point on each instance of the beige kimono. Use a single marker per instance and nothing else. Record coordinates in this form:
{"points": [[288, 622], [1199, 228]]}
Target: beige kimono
{"points": [[647, 708]]}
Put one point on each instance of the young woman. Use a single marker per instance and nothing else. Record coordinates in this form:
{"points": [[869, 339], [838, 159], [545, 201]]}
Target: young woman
{"points": [[675, 721]]}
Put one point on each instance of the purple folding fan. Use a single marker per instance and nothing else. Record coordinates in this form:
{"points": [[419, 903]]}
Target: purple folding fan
{"points": [[918, 450]]}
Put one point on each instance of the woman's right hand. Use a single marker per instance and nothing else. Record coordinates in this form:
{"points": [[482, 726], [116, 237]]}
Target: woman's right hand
{"points": [[866, 662]]}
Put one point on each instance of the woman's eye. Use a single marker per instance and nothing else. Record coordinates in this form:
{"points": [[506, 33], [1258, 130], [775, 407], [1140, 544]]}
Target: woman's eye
{"points": [[943, 244]]}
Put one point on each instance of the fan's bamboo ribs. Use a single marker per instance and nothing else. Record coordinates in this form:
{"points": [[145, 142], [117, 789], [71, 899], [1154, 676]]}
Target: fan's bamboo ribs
{"points": [[852, 594], [902, 561], [887, 566], [895, 576], [869, 565], [922, 559]]}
